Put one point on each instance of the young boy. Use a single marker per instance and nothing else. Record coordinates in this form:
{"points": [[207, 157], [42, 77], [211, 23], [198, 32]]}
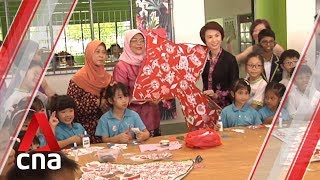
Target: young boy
{"points": [[272, 69], [67, 171], [288, 61], [120, 124], [300, 98]]}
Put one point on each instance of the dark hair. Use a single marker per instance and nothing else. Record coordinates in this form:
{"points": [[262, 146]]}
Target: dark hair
{"points": [[38, 174], [240, 84], [304, 69], [17, 114], [110, 91], [266, 33], [290, 53], [258, 22], [37, 104], [278, 88], [114, 45], [61, 102], [213, 26], [254, 54], [20, 137]]}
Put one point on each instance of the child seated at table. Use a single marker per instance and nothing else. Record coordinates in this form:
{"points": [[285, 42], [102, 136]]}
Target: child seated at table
{"points": [[240, 113], [120, 124], [273, 94], [67, 171], [303, 98], [67, 132]]}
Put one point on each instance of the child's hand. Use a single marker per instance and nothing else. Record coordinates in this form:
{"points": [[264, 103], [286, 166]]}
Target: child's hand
{"points": [[256, 126], [124, 137], [139, 136], [53, 121], [76, 139], [217, 127]]}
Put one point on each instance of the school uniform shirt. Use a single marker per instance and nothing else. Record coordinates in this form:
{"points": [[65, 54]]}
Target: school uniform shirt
{"points": [[257, 91], [64, 131], [266, 112], [285, 81], [302, 102], [231, 116], [110, 126]]}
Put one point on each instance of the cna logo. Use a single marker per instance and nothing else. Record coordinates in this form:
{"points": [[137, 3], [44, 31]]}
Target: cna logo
{"points": [[44, 157]]}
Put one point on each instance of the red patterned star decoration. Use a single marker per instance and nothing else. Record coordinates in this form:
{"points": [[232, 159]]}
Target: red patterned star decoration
{"points": [[170, 71]]}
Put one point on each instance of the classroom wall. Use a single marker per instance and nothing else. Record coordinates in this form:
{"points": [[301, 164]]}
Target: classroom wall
{"points": [[226, 8], [300, 22]]}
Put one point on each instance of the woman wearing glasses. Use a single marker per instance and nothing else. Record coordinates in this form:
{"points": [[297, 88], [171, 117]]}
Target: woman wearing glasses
{"points": [[126, 72], [221, 68]]}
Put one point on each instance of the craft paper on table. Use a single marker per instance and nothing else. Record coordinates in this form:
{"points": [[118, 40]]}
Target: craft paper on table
{"points": [[83, 151], [155, 170], [156, 147], [170, 71]]}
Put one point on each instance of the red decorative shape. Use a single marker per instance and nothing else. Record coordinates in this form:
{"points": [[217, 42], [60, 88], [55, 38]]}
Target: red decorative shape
{"points": [[170, 71], [307, 147], [15, 36], [39, 120]]}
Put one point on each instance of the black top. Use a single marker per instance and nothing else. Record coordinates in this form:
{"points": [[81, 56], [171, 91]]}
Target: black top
{"points": [[225, 72], [276, 70]]}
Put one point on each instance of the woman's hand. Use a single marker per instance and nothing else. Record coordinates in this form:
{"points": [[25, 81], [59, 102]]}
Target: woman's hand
{"points": [[104, 105], [210, 93]]}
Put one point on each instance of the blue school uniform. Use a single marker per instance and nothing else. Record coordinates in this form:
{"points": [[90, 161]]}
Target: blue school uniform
{"points": [[231, 116], [110, 126], [63, 131], [266, 112]]}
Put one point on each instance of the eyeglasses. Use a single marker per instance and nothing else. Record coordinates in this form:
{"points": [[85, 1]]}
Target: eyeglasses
{"points": [[265, 42], [257, 66], [137, 40], [289, 63]]}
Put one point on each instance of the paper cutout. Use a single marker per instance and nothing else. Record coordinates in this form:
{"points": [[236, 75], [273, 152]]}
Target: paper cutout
{"points": [[170, 71]]}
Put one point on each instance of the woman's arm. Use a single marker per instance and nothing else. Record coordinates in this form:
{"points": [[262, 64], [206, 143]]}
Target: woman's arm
{"points": [[243, 55]]}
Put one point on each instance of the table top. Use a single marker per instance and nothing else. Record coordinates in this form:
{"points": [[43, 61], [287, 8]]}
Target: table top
{"points": [[234, 158]]}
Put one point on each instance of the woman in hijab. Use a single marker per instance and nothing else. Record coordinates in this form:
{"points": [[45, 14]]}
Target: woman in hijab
{"points": [[85, 87], [126, 72]]}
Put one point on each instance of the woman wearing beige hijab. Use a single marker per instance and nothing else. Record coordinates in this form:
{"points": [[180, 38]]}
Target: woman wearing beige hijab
{"points": [[85, 87]]}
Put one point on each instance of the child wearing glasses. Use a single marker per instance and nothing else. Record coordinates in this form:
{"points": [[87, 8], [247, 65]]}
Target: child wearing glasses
{"points": [[273, 71], [288, 61], [254, 69], [120, 124]]}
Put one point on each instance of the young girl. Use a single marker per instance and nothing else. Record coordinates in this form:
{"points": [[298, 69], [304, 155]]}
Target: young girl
{"points": [[273, 94], [67, 132], [120, 124], [240, 113], [254, 68]]}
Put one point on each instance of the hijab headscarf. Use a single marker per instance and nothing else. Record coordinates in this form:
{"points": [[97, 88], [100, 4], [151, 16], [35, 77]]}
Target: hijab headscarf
{"points": [[127, 55], [90, 77]]}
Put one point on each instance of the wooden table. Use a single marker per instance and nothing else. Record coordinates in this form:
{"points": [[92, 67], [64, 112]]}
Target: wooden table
{"points": [[232, 160]]}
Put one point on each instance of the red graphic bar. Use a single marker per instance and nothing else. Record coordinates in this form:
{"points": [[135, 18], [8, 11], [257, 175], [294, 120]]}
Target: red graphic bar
{"points": [[284, 100], [15, 36], [302, 158]]}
